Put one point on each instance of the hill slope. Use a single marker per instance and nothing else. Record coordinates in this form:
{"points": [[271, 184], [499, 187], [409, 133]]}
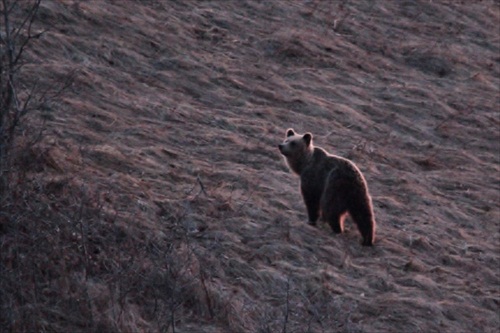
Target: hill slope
{"points": [[158, 200]]}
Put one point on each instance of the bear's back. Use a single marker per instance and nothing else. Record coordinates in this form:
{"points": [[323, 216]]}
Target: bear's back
{"points": [[323, 164]]}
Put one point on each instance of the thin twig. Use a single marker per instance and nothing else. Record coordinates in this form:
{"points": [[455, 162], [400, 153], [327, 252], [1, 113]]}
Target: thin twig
{"points": [[202, 190], [287, 304]]}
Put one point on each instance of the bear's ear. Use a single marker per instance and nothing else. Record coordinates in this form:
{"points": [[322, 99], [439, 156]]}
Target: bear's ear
{"points": [[307, 138], [289, 132]]}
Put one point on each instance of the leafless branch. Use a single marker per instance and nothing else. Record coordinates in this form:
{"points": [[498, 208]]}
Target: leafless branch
{"points": [[17, 32], [287, 305]]}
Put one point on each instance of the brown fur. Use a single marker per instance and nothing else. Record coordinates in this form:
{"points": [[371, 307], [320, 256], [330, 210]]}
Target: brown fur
{"points": [[331, 186]]}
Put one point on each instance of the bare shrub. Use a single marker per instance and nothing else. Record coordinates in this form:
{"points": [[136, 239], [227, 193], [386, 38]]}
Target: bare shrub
{"points": [[16, 34], [20, 93]]}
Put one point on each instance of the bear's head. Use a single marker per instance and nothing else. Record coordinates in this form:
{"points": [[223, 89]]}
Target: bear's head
{"points": [[297, 149]]}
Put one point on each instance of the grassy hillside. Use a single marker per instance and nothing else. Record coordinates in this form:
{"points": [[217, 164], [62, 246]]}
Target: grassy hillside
{"points": [[157, 199]]}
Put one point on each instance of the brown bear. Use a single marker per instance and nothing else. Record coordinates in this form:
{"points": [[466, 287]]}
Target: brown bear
{"points": [[331, 186]]}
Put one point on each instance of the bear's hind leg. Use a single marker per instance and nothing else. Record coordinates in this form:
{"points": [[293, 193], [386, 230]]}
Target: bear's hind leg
{"points": [[336, 222], [334, 202], [333, 211], [366, 224]]}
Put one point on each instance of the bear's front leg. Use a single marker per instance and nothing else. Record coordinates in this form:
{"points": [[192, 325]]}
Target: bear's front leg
{"points": [[311, 199]]}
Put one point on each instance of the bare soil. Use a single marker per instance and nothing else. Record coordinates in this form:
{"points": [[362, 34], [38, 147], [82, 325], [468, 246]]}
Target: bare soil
{"points": [[157, 199]]}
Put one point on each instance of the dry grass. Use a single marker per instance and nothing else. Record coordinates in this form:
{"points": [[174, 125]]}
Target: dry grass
{"points": [[157, 199]]}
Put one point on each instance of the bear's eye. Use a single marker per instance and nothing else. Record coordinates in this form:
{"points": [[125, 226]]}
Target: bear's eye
{"points": [[292, 144]]}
